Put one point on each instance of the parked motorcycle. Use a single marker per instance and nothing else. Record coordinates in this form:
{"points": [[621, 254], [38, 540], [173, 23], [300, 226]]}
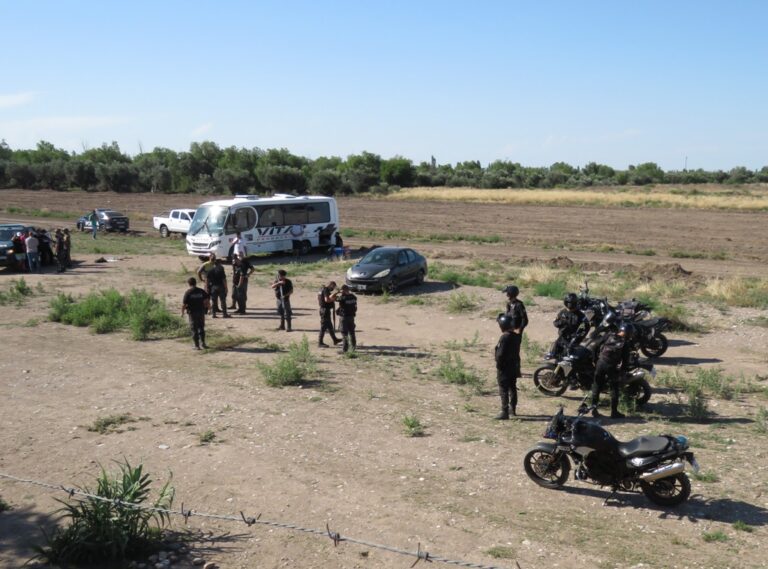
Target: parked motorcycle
{"points": [[649, 337], [653, 465], [577, 371]]}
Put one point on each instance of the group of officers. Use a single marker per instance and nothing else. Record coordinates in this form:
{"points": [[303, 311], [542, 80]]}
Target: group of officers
{"points": [[571, 322], [197, 302], [573, 326]]}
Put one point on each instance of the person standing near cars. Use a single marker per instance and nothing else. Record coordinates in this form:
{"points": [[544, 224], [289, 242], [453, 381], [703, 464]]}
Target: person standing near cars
{"points": [[195, 304], [216, 284], [243, 270], [283, 288], [67, 248], [61, 252], [202, 273], [327, 310], [347, 311], [94, 219], [33, 256], [516, 309]]}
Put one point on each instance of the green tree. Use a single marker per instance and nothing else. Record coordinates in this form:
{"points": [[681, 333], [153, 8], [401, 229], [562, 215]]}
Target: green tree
{"points": [[326, 183], [398, 171], [106, 154], [81, 174]]}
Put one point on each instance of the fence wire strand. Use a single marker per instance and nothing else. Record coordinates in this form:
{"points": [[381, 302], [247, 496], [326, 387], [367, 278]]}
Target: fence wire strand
{"points": [[337, 538]]}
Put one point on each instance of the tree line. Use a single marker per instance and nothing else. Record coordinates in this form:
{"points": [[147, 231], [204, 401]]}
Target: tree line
{"points": [[206, 168]]}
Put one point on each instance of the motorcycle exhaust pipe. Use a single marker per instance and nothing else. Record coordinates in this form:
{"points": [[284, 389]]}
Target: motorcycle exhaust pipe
{"points": [[663, 472]]}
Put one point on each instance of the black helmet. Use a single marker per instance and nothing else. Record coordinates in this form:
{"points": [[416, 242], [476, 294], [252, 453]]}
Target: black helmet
{"points": [[511, 290], [505, 322], [628, 328], [571, 300]]}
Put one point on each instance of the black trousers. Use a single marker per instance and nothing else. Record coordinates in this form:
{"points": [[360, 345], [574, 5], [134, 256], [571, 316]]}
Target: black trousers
{"points": [[348, 333], [507, 380], [241, 296], [285, 312], [606, 373], [218, 294], [326, 325], [197, 325]]}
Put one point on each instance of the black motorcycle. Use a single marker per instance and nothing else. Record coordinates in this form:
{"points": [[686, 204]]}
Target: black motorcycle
{"points": [[577, 371], [649, 336], [653, 465]]}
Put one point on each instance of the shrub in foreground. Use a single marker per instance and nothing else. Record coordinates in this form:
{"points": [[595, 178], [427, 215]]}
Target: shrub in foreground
{"points": [[100, 531], [291, 368]]}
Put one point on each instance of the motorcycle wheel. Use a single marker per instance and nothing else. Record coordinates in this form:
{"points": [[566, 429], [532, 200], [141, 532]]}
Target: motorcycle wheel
{"points": [[549, 382], [640, 391], [546, 470], [655, 347], [669, 491]]}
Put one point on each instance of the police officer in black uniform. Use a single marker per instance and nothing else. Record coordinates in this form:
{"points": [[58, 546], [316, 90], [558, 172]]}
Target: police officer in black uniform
{"points": [[516, 309], [347, 311], [243, 270], [325, 299], [573, 326], [283, 288], [507, 354], [195, 304], [612, 361], [216, 282]]}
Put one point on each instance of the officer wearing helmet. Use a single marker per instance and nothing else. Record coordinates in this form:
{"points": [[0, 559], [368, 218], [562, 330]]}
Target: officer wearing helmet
{"points": [[572, 325], [507, 354], [613, 359], [516, 309]]}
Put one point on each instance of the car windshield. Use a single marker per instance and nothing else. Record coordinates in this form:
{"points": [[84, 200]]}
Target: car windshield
{"points": [[7, 234], [377, 257], [112, 213], [209, 219]]}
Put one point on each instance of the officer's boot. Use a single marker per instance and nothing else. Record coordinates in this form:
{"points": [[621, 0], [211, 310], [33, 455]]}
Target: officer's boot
{"points": [[504, 394], [320, 338], [288, 324], [615, 403], [513, 401], [282, 323], [595, 399]]}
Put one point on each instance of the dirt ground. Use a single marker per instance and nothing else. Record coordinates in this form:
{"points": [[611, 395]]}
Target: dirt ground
{"points": [[334, 452]]}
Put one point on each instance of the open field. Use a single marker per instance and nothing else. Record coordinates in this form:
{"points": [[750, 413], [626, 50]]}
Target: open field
{"points": [[755, 198], [336, 450]]}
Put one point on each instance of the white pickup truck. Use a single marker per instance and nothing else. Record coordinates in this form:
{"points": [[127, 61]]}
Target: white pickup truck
{"points": [[174, 221]]}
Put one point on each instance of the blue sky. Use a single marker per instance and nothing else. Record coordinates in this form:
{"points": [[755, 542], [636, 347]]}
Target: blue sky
{"points": [[537, 82]]}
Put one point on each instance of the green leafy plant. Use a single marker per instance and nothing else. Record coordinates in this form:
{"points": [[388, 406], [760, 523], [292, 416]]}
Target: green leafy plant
{"points": [[17, 293], [413, 426], [4, 506], [110, 423], [761, 420], [291, 368], [714, 536], [706, 477], [697, 402], [109, 311], [452, 369], [462, 302], [501, 552], [742, 526], [109, 528], [206, 437]]}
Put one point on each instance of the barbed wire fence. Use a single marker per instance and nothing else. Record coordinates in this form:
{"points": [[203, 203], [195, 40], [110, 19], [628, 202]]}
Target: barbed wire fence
{"points": [[188, 513]]}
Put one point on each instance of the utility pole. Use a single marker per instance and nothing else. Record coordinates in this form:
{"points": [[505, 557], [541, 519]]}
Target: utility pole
{"points": [[685, 168]]}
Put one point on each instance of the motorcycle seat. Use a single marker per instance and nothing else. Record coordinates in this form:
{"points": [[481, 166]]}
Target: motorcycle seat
{"points": [[643, 446], [652, 323]]}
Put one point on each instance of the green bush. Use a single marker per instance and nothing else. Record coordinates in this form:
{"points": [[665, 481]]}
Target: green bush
{"points": [[18, 291], [101, 531], [462, 302], [697, 402], [291, 368], [413, 426], [452, 369], [109, 311], [556, 288]]}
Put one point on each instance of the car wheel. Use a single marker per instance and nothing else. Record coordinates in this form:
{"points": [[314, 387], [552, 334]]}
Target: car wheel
{"points": [[164, 231], [305, 247], [391, 286], [420, 277]]}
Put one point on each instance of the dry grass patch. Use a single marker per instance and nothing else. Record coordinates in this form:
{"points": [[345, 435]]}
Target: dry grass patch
{"points": [[610, 198]]}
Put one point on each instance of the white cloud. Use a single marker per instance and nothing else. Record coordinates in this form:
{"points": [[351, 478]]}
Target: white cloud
{"points": [[16, 99], [202, 129]]}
